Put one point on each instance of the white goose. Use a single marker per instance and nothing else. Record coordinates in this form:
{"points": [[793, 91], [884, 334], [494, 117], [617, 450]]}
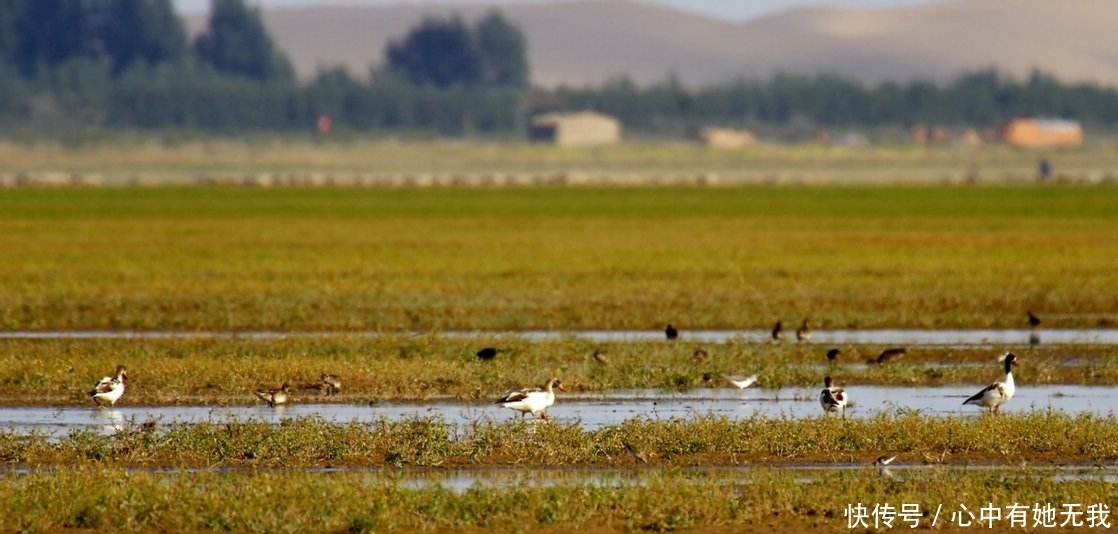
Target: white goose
{"points": [[532, 400], [109, 389], [832, 398], [996, 394]]}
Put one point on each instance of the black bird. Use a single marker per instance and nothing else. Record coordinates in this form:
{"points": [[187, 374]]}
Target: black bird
{"points": [[778, 331], [1034, 321], [889, 354], [671, 333], [488, 353], [832, 354]]}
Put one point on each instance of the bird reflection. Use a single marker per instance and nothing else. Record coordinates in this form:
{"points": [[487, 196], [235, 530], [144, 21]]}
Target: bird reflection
{"points": [[109, 420]]}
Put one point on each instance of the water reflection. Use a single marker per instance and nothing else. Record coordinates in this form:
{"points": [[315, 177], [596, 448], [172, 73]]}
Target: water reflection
{"points": [[590, 410], [108, 420]]}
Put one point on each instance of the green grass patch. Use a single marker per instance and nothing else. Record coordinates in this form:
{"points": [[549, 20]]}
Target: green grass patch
{"points": [[780, 501], [554, 258], [1043, 436]]}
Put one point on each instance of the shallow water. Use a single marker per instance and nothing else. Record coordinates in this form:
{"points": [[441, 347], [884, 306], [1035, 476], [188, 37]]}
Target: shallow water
{"points": [[588, 410], [823, 337]]}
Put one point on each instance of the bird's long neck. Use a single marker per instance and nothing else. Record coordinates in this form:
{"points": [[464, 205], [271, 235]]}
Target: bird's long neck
{"points": [[1008, 373]]}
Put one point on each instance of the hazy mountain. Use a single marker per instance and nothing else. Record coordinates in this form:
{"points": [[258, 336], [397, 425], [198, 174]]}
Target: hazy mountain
{"points": [[589, 41]]}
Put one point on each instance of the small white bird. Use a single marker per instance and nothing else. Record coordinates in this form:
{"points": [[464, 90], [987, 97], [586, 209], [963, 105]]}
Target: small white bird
{"points": [[109, 389], [883, 461], [532, 400], [998, 393], [741, 382], [274, 396], [832, 398]]}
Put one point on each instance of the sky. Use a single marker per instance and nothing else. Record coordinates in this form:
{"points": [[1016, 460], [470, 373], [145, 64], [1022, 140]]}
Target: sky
{"points": [[734, 10]]}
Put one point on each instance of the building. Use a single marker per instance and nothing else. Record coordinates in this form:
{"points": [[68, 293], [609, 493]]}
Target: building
{"points": [[724, 137], [1042, 133], [584, 128]]}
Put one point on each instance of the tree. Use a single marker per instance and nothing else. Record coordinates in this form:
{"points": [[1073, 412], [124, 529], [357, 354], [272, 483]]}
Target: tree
{"points": [[49, 33], [131, 31], [503, 52], [439, 52], [235, 42], [9, 10]]}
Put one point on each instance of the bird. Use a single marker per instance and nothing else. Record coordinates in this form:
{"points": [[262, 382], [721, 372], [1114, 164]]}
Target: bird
{"points": [[1034, 321], [700, 355], [487, 353], [742, 382], [274, 396], [889, 354], [671, 333], [832, 355], [599, 357], [832, 398], [331, 384], [778, 331], [998, 393], [882, 465], [532, 400], [883, 461], [803, 333], [109, 389]]}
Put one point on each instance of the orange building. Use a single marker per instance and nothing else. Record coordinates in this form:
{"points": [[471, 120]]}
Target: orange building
{"points": [[1042, 133]]}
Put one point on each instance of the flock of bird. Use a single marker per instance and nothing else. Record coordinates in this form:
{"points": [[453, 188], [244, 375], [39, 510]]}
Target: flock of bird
{"points": [[834, 398], [535, 400]]}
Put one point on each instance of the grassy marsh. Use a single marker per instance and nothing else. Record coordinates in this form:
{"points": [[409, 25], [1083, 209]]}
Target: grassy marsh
{"points": [[225, 370], [778, 501], [1042, 437], [556, 258]]}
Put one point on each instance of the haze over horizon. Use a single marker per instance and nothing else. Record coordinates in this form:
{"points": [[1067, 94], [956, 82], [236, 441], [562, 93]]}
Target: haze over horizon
{"points": [[730, 10]]}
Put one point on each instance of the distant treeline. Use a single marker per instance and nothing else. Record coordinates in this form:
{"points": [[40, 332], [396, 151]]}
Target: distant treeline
{"points": [[128, 64]]}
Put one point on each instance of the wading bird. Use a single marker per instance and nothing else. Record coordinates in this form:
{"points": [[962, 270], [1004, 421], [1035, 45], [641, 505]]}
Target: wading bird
{"points": [[803, 333], [832, 398], [778, 331], [331, 384], [109, 389], [1034, 321], [532, 400], [671, 333], [832, 354], [274, 396], [889, 354], [742, 382], [998, 393]]}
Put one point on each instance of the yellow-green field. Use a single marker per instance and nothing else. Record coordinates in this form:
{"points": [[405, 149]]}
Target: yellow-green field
{"points": [[773, 500], [491, 261], [557, 258]]}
